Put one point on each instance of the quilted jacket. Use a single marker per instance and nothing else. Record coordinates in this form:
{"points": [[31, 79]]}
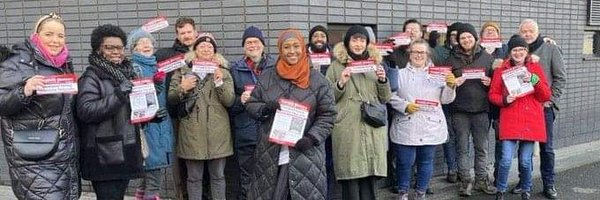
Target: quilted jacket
{"points": [[307, 174], [57, 176]]}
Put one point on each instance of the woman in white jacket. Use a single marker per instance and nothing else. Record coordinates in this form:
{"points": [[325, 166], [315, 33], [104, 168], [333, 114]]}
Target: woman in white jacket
{"points": [[418, 123]]}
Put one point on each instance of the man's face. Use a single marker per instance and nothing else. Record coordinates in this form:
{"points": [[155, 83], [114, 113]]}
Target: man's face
{"points": [[466, 41], [529, 33], [319, 39], [414, 30], [187, 35], [253, 47]]}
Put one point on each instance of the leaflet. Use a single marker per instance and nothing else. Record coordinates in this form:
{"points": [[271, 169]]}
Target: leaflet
{"points": [[156, 24], [440, 27], [172, 63], [143, 101], [493, 43], [427, 105], [320, 58], [363, 66], [401, 39], [59, 84], [289, 123], [439, 73], [474, 73], [385, 48], [203, 68], [513, 80]]}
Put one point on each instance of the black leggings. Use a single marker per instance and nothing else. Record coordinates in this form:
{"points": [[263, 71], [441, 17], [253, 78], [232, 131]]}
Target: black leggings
{"points": [[358, 189], [110, 190]]}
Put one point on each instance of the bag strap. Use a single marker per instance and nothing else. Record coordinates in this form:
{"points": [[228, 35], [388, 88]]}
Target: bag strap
{"points": [[357, 91]]}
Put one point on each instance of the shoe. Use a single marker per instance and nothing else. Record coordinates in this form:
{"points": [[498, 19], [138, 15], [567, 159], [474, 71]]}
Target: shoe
{"points": [[485, 186], [465, 188], [419, 196], [517, 190], [452, 177], [525, 196], [429, 191], [402, 195], [499, 195], [550, 192]]}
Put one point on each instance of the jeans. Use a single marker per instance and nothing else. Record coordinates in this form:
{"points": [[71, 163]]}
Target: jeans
{"points": [[525, 163], [497, 146], [450, 146], [407, 156], [465, 125], [195, 171], [150, 183], [110, 190], [245, 157], [547, 150]]}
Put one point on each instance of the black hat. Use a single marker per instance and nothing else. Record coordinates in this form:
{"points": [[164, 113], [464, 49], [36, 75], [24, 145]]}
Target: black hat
{"points": [[206, 38], [465, 27], [318, 28], [356, 29], [253, 31], [516, 41]]}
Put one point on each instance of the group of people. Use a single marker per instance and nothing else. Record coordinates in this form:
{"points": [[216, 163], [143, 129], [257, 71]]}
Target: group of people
{"points": [[205, 117]]}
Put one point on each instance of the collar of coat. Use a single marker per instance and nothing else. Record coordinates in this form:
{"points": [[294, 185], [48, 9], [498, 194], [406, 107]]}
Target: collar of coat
{"points": [[414, 70], [341, 54]]}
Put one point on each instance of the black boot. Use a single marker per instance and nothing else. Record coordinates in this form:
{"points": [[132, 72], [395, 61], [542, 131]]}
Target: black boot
{"points": [[525, 196], [499, 195]]}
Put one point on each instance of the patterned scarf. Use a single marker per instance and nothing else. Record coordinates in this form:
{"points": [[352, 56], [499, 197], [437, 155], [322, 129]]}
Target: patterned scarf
{"points": [[118, 72]]}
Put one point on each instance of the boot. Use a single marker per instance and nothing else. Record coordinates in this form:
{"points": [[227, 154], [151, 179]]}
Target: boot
{"points": [[499, 195], [452, 177], [402, 195], [484, 185], [465, 188], [525, 196], [419, 196]]}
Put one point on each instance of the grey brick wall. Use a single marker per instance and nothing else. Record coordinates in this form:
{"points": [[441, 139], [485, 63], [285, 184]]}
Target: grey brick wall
{"points": [[562, 20]]}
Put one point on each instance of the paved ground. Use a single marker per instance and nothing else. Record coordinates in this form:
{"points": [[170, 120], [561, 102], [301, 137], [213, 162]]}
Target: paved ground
{"points": [[578, 177]]}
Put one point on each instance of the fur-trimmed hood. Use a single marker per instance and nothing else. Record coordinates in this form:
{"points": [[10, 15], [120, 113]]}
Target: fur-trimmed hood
{"points": [[191, 55], [341, 54]]}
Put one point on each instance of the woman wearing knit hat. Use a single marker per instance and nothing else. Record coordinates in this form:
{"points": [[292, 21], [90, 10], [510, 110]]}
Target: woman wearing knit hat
{"points": [[521, 118], [295, 171], [204, 135], [359, 149], [159, 132]]}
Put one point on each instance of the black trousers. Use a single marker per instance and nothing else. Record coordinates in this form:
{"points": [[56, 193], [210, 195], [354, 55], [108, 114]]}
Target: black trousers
{"points": [[359, 189], [110, 190]]}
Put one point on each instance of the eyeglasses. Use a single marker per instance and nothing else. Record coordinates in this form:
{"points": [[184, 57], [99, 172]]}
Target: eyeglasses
{"points": [[418, 52], [113, 47]]}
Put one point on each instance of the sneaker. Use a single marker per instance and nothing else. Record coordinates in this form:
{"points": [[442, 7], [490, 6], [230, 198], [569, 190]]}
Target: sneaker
{"points": [[429, 191], [419, 196], [452, 177], [550, 192], [485, 186], [499, 195], [525, 196], [517, 190], [465, 188], [402, 195]]}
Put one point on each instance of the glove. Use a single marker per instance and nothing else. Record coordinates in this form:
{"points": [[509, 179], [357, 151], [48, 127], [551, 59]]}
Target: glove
{"points": [[412, 108], [305, 143], [159, 77], [450, 80], [123, 90], [270, 108], [535, 79], [160, 115]]}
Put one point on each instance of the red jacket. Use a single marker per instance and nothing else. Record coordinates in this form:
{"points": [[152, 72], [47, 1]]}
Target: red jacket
{"points": [[523, 119]]}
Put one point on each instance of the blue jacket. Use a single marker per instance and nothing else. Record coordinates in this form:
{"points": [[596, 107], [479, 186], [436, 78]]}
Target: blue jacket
{"points": [[158, 135], [243, 126]]}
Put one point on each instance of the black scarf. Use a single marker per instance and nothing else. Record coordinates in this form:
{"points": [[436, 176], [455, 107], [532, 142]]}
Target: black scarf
{"points": [[536, 44], [363, 56], [116, 72]]}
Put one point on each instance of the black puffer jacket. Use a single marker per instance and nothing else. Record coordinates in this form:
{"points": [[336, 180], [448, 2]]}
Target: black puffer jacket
{"points": [[110, 145], [307, 174], [56, 177]]}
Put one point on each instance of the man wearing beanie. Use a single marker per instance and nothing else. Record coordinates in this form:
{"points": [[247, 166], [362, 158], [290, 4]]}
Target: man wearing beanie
{"points": [[553, 66], [318, 43], [245, 73], [470, 109]]}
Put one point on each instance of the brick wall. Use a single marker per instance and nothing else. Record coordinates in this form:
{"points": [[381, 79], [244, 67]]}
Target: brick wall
{"points": [[562, 20]]}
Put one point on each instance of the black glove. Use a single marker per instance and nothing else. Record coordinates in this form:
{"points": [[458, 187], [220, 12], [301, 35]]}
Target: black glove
{"points": [[160, 115], [270, 108], [123, 90], [305, 143]]}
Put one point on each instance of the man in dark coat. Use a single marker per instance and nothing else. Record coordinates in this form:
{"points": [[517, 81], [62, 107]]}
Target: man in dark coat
{"points": [[319, 43]]}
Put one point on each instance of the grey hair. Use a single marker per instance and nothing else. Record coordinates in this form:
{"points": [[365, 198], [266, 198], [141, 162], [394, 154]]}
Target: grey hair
{"points": [[423, 42], [532, 22]]}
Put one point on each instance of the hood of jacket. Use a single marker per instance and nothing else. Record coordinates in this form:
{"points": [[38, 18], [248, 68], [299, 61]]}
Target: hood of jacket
{"points": [[191, 55], [341, 54]]}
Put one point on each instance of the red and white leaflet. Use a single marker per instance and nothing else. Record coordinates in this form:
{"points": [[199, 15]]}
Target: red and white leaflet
{"points": [[440, 27], [385, 48], [172, 63], [401, 39], [289, 122], [249, 88], [204, 67], [320, 58], [362, 66], [156, 24], [439, 73], [514, 83], [143, 101], [474, 73], [427, 105], [59, 84], [491, 42]]}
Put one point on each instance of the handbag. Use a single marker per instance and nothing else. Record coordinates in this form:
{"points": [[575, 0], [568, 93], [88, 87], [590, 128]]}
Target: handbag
{"points": [[372, 113], [37, 144]]}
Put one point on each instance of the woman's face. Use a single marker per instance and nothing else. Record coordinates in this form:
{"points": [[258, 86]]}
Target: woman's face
{"points": [[490, 32], [291, 50], [418, 55], [358, 45], [112, 49], [466, 41], [205, 51], [518, 54], [52, 36], [144, 46]]}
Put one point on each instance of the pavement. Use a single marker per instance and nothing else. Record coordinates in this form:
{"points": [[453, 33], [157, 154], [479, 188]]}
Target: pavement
{"points": [[577, 177]]}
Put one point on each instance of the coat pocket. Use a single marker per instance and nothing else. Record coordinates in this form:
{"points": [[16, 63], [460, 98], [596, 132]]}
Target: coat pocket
{"points": [[110, 150]]}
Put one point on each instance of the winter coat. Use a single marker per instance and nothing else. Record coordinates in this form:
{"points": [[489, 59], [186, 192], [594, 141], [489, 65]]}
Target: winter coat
{"points": [[205, 133], [159, 135], [56, 177], [110, 145], [359, 150], [322, 68], [553, 65], [523, 119], [307, 173], [245, 128], [471, 96], [166, 53], [424, 127]]}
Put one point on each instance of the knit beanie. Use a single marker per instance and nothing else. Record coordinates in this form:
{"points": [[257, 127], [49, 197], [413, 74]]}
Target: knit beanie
{"points": [[206, 37], [136, 35], [318, 28], [356, 29], [516, 41], [253, 31], [492, 24], [466, 27]]}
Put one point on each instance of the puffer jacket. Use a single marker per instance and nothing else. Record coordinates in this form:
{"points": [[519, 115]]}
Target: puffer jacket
{"points": [[110, 145], [205, 133], [359, 150], [56, 177], [307, 173]]}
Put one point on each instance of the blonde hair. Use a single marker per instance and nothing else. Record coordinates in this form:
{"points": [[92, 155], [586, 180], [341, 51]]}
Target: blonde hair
{"points": [[47, 18]]}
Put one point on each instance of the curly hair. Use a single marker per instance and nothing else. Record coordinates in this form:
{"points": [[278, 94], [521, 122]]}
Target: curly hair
{"points": [[106, 30]]}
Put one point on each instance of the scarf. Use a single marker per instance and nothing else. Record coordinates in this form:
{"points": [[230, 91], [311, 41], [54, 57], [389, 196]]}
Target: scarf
{"points": [[148, 62], [117, 72], [58, 60], [536, 44], [299, 73], [363, 56]]}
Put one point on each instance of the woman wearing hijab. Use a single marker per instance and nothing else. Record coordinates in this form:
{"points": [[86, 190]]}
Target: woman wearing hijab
{"points": [[56, 175], [297, 171], [359, 149]]}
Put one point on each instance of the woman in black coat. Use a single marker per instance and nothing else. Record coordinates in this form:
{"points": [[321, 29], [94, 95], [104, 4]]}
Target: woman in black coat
{"points": [[55, 174], [110, 148]]}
